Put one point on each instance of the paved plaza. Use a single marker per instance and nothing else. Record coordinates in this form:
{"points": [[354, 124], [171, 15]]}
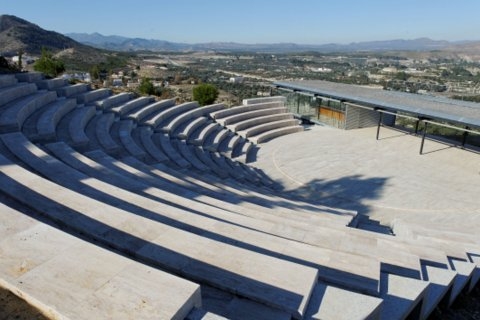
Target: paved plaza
{"points": [[383, 179]]}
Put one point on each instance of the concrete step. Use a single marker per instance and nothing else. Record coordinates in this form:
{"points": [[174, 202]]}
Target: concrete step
{"points": [[125, 133], [47, 122], [103, 136], [31, 77], [145, 134], [190, 115], [113, 101], [14, 114], [221, 114], [243, 125], [259, 129], [158, 121], [52, 84], [72, 90], [16, 91], [76, 127], [128, 107], [275, 133], [90, 97], [191, 127], [143, 113], [7, 80], [66, 277], [163, 141], [250, 115]]}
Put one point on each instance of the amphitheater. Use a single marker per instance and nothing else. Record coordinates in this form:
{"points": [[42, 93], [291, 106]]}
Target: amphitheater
{"points": [[118, 207]]}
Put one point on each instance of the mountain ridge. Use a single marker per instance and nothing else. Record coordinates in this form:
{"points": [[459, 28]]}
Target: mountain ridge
{"points": [[120, 43]]}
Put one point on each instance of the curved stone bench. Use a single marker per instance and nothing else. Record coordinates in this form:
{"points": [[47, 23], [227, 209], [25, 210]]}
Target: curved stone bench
{"points": [[13, 115], [187, 116], [164, 142], [159, 120], [66, 277], [213, 143], [7, 80], [51, 84], [190, 128], [125, 133], [218, 115], [113, 101], [29, 76], [243, 125], [203, 133], [250, 115], [102, 132], [242, 148], [250, 101], [76, 127], [259, 129], [145, 112], [189, 154], [268, 135], [131, 105], [92, 96], [10, 93], [49, 119], [145, 134], [72, 90]]}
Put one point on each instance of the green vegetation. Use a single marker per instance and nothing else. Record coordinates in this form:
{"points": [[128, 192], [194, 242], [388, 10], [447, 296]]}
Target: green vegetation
{"points": [[205, 94], [49, 65], [146, 87]]}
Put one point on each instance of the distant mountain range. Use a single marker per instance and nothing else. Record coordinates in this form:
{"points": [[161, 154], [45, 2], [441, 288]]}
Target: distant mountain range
{"points": [[136, 44], [16, 34]]}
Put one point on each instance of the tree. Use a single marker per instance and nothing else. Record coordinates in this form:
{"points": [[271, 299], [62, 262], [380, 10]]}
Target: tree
{"points": [[205, 94], [95, 72], [49, 65], [146, 87]]}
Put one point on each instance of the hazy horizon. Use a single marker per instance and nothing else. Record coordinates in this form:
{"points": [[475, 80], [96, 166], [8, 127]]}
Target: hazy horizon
{"points": [[257, 22]]}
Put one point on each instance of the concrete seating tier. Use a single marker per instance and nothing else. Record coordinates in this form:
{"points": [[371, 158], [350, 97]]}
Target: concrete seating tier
{"points": [[219, 116], [150, 109], [250, 101], [76, 126], [158, 120], [191, 127], [16, 91], [14, 114], [102, 133], [125, 133], [250, 114], [242, 125], [145, 134], [164, 143], [188, 116], [29, 76], [51, 84], [44, 124], [129, 106], [7, 80], [198, 137], [94, 95], [261, 128], [281, 284], [113, 101], [214, 143], [72, 90], [268, 135], [59, 274], [190, 155]]}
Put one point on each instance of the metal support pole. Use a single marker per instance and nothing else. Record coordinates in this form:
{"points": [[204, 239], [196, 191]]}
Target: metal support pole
{"points": [[416, 126], [465, 136], [379, 124], [423, 137]]}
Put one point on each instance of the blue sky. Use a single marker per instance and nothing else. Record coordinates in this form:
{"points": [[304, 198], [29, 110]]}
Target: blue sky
{"points": [[257, 21]]}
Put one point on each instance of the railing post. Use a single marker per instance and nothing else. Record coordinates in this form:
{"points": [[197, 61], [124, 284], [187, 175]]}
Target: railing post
{"points": [[423, 137], [379, 123]]}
